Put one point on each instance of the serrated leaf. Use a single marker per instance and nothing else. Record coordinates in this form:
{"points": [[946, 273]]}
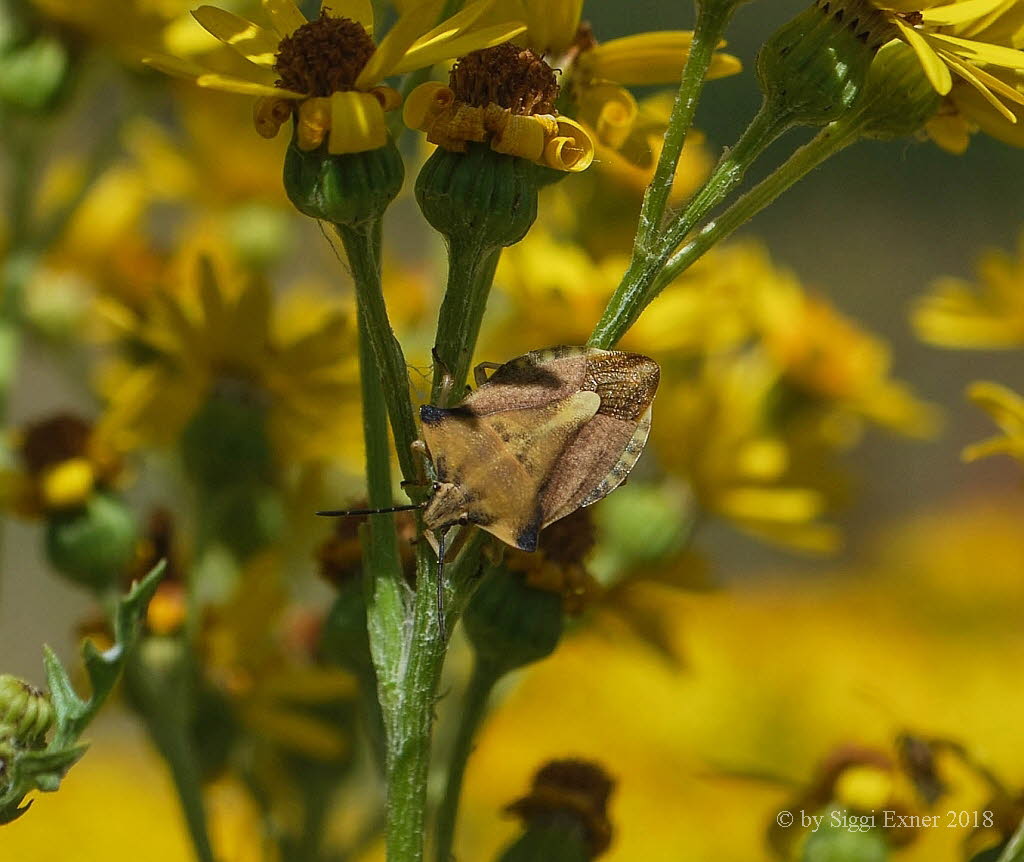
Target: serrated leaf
{"points": [[45, 768]]}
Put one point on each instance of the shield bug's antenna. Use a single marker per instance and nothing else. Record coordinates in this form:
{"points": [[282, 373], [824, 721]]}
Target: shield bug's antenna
{"points": [[344, 513]]}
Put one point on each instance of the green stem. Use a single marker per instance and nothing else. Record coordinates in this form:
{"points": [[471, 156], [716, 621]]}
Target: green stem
{"points": [[163, 696], [474, 706], [362, 245], [383, 584], [411, 722], [1014, 850], [712, 19], [824, 145], [470, 275], [629, 299]]}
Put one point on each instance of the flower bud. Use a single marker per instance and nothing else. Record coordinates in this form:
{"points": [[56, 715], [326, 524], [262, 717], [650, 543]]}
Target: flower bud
{"points": [[898, 98], [511, 624], [565, 814], [226, 440], [479, 194], [350, 189], [26, 714], [94, 543], [813, 68]]}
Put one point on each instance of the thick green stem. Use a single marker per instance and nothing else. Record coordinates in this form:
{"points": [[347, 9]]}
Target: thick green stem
{"points": [[826, 144], [629, 299], [712, 19], [383, 585], [362, 245], [474, 706], [411, 723], [470, 275]]}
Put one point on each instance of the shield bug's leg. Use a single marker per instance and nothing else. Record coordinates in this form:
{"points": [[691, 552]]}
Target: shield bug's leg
{"points": [[480, 372], [440, 586], [447, 381]]}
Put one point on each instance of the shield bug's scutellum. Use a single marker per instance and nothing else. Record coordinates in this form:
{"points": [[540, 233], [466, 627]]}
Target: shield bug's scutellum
{"points": [[547, 433]]}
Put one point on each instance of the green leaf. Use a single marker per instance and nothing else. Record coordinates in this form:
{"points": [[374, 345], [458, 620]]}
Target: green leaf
{"points": [[43, 769]]}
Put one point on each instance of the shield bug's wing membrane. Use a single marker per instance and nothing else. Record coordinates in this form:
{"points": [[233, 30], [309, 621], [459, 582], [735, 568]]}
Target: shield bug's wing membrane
{"points": [[608, 447], [532, 380]]}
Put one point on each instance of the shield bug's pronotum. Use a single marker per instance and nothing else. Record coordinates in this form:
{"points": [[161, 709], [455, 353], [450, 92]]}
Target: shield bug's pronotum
{"points": [[545, 434]]}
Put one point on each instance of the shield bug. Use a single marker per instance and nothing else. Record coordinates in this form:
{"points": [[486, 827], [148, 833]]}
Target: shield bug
{"points": [[547, 433]]}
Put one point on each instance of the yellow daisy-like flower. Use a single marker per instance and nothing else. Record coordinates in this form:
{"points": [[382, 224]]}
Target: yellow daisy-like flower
{"points": [[989, 315], [217, 331], [328, 72], [1006, 407], [970, 43]]}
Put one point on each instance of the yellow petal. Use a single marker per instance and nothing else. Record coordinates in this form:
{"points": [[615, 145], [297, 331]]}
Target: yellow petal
{"points": [[424, 102], [610, 111], [284, 15], [572, 150], [651, 58], [521, 136], [257, 45], [406, 30], [357, 10], [551, 24], [953, 14], [982, 52], [230, 84], [357, 123], [972, 76], [950, 132], [992, 446], [174, 66], [933, 67], [787, 505], [427, 52], [1004, 405]]}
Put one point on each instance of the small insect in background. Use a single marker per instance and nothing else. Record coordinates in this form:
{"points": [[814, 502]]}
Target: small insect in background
{"points": [[546, 434]]}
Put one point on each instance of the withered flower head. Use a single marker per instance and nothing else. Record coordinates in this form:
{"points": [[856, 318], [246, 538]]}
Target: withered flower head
{"points": [[323, 56], [577, 788], [506, 75]]}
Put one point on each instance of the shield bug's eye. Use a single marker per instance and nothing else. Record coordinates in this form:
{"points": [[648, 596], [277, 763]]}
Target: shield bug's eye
{"points": [[550, 432]]}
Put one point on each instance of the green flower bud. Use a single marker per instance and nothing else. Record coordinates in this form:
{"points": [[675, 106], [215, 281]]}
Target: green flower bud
{"points": [[480, 196], [898, 99], [564, 814], [814, 67], [350, 189], [245, 517], [226, 440], [26, 714], [511, 624], [560, 839], [92, 544], [837, 843], [33, 73]]}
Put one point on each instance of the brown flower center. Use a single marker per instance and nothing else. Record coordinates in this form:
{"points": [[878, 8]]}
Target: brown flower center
{"points": [[323, 56], [507, 75], [53, 440]]}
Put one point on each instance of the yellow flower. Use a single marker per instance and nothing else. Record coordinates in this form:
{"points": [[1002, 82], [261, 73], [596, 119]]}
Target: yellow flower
{"points": [[970, 43], [327, 72], [211, 329], [990, 315], [596, 75], [1007, 409]]}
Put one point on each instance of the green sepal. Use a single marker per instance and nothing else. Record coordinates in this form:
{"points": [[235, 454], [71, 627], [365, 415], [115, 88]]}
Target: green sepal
{"points": [[899, 98], [480, 196], [511, 624], [352, 189], [92, 544], [43, 769]]}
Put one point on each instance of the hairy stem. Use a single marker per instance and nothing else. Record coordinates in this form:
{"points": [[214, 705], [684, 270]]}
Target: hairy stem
{"points": [[631, 296], [362, 245], [470, 275]]}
